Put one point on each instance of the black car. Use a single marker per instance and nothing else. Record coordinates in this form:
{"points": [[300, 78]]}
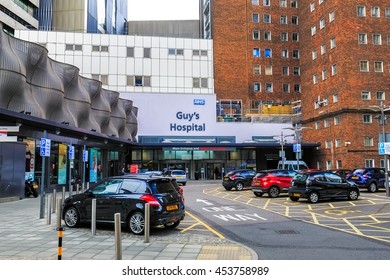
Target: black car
{"points": [[369, 178], [127, 195], [318, 185], [238, 179]]}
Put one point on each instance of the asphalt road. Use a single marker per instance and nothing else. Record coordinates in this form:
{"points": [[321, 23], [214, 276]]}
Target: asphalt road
{"points": [[278, 229]]}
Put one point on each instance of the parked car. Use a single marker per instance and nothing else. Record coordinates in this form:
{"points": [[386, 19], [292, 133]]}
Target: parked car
{"points": [[127, 195], [292, 165], [342, 172], [239, 179], [153, 172], [321, 185], [273, 182], [179, 175], [369, 178]]}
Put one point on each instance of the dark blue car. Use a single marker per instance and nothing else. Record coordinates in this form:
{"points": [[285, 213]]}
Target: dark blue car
{"points": [[369, 178]]}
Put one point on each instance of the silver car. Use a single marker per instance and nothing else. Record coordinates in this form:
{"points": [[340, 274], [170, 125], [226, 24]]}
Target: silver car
{"points": [[179, 175]]}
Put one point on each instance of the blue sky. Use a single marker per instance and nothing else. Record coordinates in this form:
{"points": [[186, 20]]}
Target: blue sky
{"points": [[163, 9]]}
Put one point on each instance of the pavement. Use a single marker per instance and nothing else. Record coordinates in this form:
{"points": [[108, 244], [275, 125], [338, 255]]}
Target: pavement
{"points": [[24, 235]]}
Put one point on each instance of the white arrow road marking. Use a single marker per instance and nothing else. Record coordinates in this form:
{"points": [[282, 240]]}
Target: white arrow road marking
{"points": [[204, 201]]}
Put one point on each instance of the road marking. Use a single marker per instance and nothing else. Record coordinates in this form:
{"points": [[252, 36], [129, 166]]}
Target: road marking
{"points": [[240, 217], [353, 227], [206, 225], [204, 201], [340, 212]]}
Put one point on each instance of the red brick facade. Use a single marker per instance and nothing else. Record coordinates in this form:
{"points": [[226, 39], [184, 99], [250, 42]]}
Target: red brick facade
{"points": [[342, 121]]}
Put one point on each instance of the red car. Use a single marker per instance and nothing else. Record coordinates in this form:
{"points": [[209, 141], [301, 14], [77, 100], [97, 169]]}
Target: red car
{"points": [[272, 181]]}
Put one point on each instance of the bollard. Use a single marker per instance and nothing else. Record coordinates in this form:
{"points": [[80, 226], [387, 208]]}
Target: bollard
{"points": [[59, 233], [53, 209], [118, 241], [63, 193], [59, 202], [82, 187], [93, 218], [48, 210], [147, 222], [77, 189]]}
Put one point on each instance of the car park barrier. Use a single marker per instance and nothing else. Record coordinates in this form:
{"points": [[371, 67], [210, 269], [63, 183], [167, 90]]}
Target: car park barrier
{"points": [[118, 233]]}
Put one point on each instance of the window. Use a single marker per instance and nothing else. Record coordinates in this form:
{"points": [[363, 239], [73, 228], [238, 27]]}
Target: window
{"points": [[387, 12], [366, 95], [336, 120], [294, 4], [70, 47], [312, 6], [268, 87], [363, 65], [138, 81], [314, 54], [328, 144], [256, 52], [100, 48], [256, 69], [375, 12], [335, 98], [323, 49], [268, 70], [283, 3], [283, 19], [324, 74], [318, 125], [255, 18], [313, 30], [320, 1], [175, 51], [267, 52], [334, 69], [377, 39], [331, 16], [147, 52], [267, 35], [295, 37], [286, 88], [332, 43], [297, 88], [368, 141], [294, 20], [285, 70], [130, 52], [179, 52], [284, 36], [362, 38], [380, 95], [285, 53], [102, 78], [361, 11], [297, 71], [378, 66], [295, 54], [369, 163], [322, 23], [199, 82], [337, 144], [256, 35], [388, 39], [255, 2], [339, 163], [256, 87], [326, 123], [267, 18], [266, 2], [315, 79]]}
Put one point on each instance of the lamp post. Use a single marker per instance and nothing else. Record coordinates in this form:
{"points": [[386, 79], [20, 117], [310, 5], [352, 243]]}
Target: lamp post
{"points": [[282, 142], [296, 130], [382, 108]]}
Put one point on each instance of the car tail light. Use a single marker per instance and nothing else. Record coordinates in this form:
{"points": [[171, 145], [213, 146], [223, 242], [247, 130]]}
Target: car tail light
{"points": [[233, 177], [150, 199], [365, 176]]}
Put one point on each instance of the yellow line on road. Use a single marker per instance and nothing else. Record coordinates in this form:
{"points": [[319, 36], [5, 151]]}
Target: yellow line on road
{"points": [[353, 227], [206, 225], [314, 217], [375, 219]]}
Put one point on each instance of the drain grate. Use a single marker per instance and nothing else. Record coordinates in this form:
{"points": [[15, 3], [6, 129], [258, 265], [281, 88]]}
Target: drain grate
{"points": [[287, 231]]}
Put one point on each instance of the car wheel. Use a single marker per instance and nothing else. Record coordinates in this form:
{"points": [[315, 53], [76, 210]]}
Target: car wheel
{"points": [[228, 188], [172, 225], [71, 217], [294, 198], [136, 223], [239, 186], [313, 197], [353, 195], [372, 187], [273, 192], [258, 194]]}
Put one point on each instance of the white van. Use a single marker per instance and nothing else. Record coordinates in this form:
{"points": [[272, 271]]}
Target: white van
{"points": [[292, 165]]}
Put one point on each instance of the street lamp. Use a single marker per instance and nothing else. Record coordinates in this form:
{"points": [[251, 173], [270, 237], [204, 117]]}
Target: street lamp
{"points": [[282, 142], [382, 108], [296, 130]]}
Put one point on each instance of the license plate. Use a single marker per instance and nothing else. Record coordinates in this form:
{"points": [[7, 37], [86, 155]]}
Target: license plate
{"points": [[296, 194], [35, 186], [226, 179], [172, 207], [355, 177], [178, 177]]}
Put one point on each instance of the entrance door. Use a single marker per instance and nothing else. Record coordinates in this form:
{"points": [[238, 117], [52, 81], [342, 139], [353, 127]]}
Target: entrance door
{"points": [[214, 171]]}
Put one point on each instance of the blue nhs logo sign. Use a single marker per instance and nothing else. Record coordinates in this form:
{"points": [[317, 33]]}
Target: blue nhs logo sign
{"points": [[199, 102]]}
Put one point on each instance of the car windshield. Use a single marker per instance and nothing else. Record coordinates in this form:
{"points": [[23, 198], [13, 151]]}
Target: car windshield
{"points": [[178, 172]]}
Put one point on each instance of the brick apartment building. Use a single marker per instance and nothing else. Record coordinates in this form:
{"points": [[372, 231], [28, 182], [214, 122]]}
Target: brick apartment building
{"points": [[332, 55]]}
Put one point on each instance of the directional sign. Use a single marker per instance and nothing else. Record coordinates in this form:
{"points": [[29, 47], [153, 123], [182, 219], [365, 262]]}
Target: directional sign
{"points": [[45, 147], [71, 152], [384, 148], [85, 156], [297, 148]]}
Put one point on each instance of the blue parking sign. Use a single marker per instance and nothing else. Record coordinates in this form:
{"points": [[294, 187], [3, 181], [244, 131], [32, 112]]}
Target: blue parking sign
{"points": [[45, 147]]}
